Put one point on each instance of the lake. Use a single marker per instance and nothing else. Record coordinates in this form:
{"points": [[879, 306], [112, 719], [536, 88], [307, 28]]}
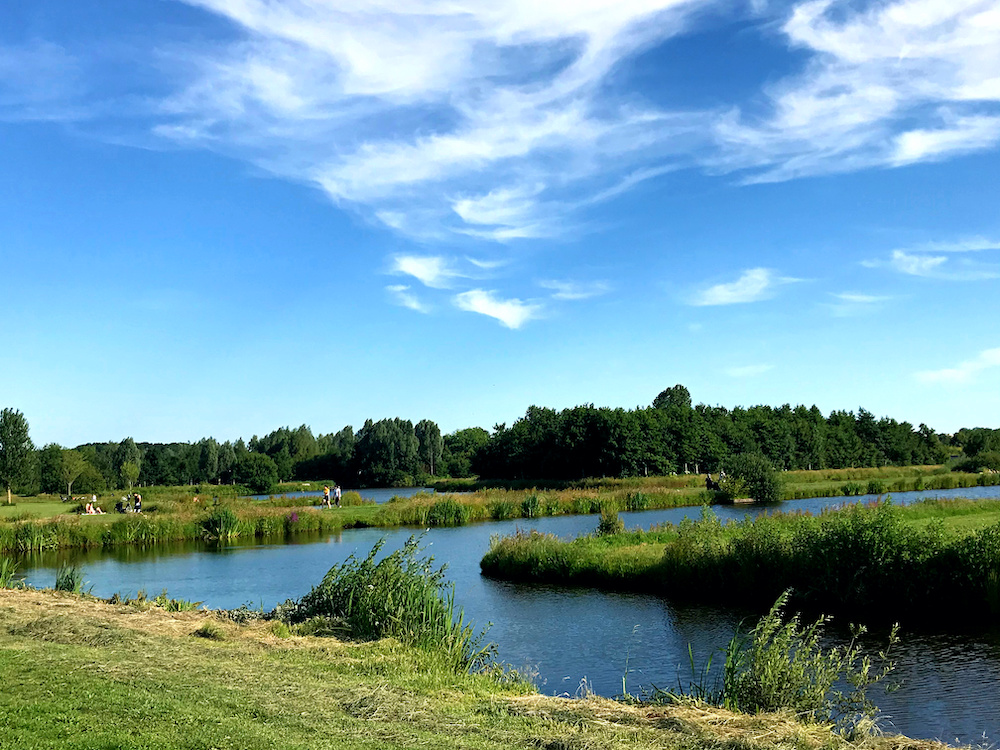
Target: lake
{"points": [[950, 684]]}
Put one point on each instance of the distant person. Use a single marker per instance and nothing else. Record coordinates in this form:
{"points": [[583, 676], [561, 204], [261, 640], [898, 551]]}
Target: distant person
{"points": [[326, 496], [88, 509], [138, 503], [336, 494]]}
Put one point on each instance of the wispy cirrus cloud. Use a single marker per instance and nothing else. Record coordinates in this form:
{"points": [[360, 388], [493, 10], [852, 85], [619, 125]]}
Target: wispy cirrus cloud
{"points": [[851, 304], [964, 372], [502, 121], [887, 84], [434, 271], [575, 290], [512, 313], [942, 260], [754, 285], [403, 296]]}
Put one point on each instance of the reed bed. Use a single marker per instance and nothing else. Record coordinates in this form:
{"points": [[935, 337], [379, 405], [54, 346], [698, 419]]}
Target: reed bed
{"points": [[877, 560]]}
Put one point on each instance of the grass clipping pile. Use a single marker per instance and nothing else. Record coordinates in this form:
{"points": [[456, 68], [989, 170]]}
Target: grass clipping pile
{"points": [[463, 710]]}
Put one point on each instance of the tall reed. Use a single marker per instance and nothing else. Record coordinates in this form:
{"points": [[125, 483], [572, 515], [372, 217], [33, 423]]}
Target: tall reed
{"points": [[401, 596]]}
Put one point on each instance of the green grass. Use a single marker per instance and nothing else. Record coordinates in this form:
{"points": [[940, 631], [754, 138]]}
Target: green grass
{"points": [[81, 674], [186, 513], [935, 560]]}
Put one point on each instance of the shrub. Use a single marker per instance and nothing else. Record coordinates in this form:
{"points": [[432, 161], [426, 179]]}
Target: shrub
{"points": [[211, 631], [760, 480], [610, 524]]}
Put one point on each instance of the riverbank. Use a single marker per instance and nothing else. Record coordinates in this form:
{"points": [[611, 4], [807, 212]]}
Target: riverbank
{"points": [[931, 561], [82, 673], [217, 513]]}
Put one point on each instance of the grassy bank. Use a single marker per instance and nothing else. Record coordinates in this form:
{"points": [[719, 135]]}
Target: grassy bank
{"points": [[933, 560], [213, 512], [82, 673]]}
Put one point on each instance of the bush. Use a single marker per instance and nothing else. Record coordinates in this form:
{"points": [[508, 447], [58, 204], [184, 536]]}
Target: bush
{"points": [[610, 524], [402, 596], [257, 472], [759, 479]]}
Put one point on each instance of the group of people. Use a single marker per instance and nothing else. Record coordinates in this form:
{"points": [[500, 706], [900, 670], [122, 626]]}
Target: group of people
{"points": [[91, 508], [327, 495], [125, 505], [711, 484]]}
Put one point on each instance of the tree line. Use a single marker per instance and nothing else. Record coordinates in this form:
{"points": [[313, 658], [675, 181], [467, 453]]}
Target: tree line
{"points": [[669, 436]]}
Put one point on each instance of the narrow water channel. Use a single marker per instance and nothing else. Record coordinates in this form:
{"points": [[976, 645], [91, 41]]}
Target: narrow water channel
{"points": [[568, 638]]}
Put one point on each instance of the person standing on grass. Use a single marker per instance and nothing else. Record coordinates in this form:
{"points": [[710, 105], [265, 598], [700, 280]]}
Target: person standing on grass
{"points": [[336, 494], [326, 496]]}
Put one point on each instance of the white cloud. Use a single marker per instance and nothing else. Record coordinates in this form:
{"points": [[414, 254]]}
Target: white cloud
{"points": [[512, 313], [503, 120], [887, 84], [916, 265], [964, 372], [575, 290], [748, 371], [754, 285], [403, 297], [431, 270], [850, 304], [488, 120], [940, 260]]}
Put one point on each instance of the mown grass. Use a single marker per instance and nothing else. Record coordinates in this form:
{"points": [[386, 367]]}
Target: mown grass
{"points": [[79, 673], [936, 560]]}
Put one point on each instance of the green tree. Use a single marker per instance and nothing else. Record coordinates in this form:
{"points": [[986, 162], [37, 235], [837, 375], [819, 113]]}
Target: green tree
{"points": [[430, 445], [71, 467], [16, 450], [130, 474], [127, 453], [257, 472], [50, 468], [752, 475]]}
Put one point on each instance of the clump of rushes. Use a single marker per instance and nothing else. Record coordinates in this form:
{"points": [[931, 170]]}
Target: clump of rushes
{"points": [[221, 524], [610, 524], [69, 578], [781, 664], [8, 571], [401, 596]]}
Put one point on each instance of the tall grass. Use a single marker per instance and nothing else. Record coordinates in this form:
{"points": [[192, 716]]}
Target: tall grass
{"points": [[400, 596], [8, 571], [69, 578], [874, 560], [782, 664]]}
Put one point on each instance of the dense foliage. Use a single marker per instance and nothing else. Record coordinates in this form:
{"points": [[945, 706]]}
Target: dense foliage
{"points": [[670, 436], [674, 436]]}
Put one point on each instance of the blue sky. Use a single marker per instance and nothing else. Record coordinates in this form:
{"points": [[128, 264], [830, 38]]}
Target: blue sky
{"points": [[218, 217]]}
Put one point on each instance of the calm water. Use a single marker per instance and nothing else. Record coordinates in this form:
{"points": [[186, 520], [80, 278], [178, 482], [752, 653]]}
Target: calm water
{"points": [[950, 684]]}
